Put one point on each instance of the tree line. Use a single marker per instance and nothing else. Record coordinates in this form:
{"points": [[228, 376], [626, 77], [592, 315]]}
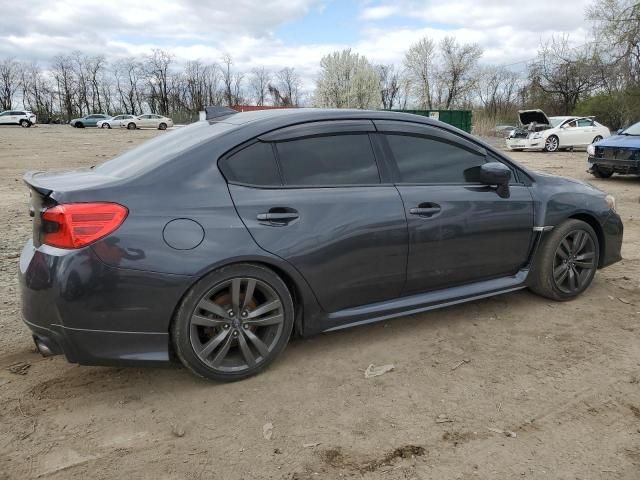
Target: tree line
{"points": [[600, 77]]}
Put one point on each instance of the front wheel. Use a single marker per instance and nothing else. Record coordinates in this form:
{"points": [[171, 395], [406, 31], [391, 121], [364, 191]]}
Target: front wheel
{"points": [[567, 261], [79, 125], [600, 172], [233, 323], [551, 144]]}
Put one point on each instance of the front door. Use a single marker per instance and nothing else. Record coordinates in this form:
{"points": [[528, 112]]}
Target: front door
{"points": [[460, 231], [325, 211]]}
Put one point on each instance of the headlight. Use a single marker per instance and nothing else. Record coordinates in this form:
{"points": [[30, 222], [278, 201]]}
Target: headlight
{"points": [[611, 201], [591, 150]]}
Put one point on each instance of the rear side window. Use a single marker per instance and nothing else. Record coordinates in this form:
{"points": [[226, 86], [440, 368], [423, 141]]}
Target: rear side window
{"points": [[427, 160], [328, 160], [585, 122], [255, 165]]}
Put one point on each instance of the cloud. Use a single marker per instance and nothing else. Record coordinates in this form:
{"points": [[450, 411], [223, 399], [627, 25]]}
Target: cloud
{"points": [[509, 32]]}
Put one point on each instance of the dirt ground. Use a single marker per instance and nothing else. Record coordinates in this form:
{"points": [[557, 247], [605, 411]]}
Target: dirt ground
{"points": [[542, 390]]}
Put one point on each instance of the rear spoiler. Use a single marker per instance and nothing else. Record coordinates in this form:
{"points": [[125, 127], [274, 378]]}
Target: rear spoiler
{"points": [[215, 112], [30, 179]]}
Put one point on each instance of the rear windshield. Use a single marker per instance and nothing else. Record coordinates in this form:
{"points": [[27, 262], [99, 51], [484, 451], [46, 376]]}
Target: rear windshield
{"points": [[161, 149]]}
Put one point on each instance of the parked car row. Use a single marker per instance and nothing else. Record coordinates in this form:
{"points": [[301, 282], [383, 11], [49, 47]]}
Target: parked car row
{"points": [[130, 122]]}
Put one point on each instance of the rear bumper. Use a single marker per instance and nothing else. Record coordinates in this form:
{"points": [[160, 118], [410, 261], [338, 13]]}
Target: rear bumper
{"points": [[618, 166], [95, 314]]}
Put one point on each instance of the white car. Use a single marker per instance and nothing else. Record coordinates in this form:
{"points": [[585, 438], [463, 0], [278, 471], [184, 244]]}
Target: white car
{"points": [[116, 122], [148, 121], [551, 134], [24, 118]]}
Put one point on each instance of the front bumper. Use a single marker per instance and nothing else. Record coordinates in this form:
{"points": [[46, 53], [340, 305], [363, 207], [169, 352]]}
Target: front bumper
{"points": [[95, 314], [525, 143], [617, 166]]}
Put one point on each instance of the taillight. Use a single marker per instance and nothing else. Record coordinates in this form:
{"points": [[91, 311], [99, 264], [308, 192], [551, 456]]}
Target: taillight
{"points": [[76, 225]]}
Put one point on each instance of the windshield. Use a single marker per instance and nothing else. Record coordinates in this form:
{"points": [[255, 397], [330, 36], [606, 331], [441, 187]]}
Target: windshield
{"points": [[632, 130], [162, 149], [555, 121]]}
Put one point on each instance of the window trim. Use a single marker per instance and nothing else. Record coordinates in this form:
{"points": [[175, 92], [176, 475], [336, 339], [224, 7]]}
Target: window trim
{"points": [[239, 148]]}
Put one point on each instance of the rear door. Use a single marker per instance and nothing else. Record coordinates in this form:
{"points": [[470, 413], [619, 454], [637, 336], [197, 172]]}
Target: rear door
{"points": [[460, 231], [314, 195], [587, 130]]}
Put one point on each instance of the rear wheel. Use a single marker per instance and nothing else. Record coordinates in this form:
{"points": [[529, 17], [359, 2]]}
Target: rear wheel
{"points": [[25, 123], [162, 126], [551, 144], [131, 126], [567, 261], [233, 323]]}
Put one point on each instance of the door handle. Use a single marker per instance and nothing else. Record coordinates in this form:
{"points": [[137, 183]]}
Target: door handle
{"points": [[425, 209], [278, 217]]}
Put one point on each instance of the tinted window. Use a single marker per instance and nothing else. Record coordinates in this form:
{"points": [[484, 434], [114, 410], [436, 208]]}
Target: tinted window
{"points": [[16, 113], [331, 160], [585, 122], [426, 160], [254, 165]]}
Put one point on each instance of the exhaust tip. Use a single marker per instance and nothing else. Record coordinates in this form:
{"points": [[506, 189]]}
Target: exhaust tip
{"points": [[44, 350]]}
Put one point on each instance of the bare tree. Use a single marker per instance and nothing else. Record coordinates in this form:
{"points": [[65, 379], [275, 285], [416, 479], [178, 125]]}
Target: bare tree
{"points": [[259, 85], [157, 67], [458, 73], [288, 86], [10, 78], [420, 64], [232, 82], [568, 74], [497, 89], [389, 85]]}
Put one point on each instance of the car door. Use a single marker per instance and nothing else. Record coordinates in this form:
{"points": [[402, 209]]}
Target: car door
{"points": [[460, 231], [313, 195], [587, 131]]}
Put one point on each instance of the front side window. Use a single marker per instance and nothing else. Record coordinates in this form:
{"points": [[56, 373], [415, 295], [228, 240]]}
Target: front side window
{"points": [[328, 160], [427, 160], [253, 165]]}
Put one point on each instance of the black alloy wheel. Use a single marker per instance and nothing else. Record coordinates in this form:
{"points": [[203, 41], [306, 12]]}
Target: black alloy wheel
{"points": [[233, 326], [574, 262]]}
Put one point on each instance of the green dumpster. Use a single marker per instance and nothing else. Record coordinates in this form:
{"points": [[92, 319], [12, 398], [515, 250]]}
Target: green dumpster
{"points": [[458, 118]]}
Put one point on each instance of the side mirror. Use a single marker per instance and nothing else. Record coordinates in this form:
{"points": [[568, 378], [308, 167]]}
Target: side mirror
{"points": [[496, 173]]}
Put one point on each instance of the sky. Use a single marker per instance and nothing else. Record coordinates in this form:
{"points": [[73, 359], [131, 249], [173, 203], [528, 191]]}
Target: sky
{"points": [[279, 33]]}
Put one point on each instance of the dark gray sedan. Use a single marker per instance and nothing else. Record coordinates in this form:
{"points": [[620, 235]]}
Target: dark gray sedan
{"points": [[210, 245]]}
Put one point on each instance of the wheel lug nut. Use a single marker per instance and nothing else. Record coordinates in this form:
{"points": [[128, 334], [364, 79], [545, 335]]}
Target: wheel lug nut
{"points": [[244, 314], [235, 334], [246, 326], [226, 326], [231, 314]]}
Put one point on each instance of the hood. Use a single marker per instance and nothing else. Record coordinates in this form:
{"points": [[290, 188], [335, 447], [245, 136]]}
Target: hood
{"points": [[620, 141], [538, 116]]}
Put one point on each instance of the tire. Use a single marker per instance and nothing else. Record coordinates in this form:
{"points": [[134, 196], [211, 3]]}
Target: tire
{"points": [[217, 340], [162, 126], [548, 278], [25, 123], [551, 144], [131, 126], [599, 172], [105, 125], [79, 125], [597, 139]]}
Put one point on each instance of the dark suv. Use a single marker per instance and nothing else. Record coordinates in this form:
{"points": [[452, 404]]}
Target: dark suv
{"points": [[213, 243]]}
